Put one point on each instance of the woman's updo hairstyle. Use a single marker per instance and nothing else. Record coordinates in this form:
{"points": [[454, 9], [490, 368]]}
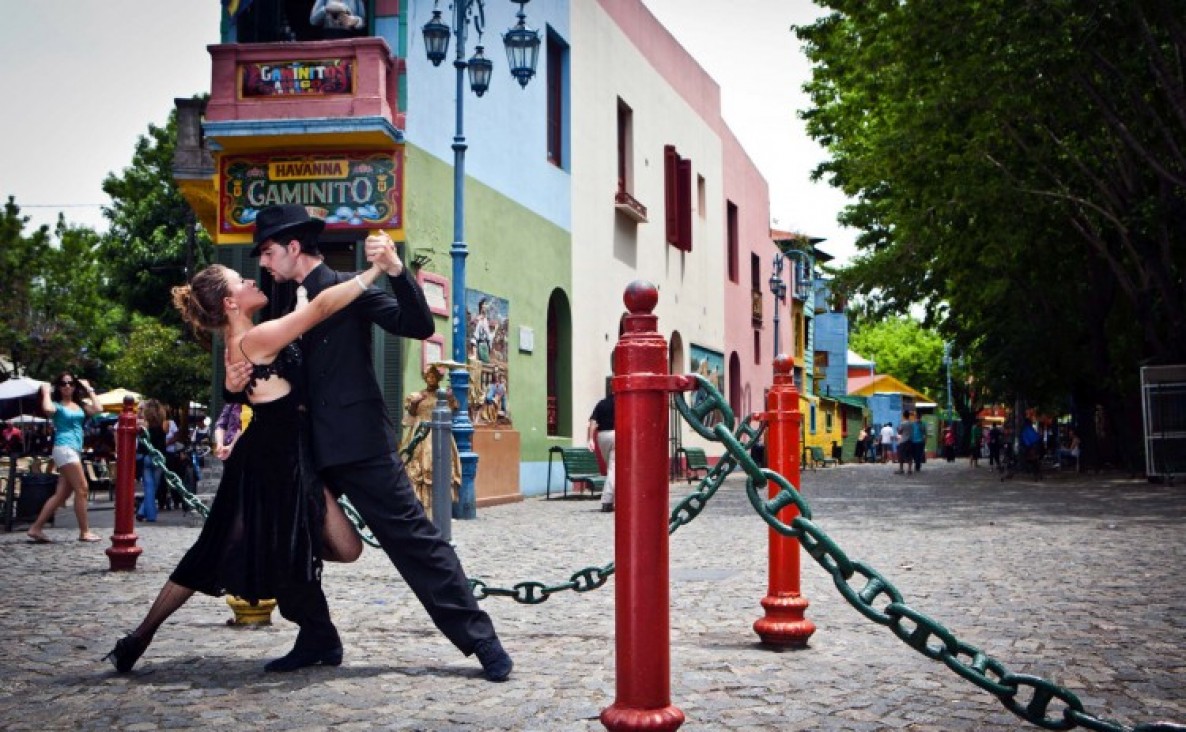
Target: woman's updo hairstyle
{"points": [[200, 302]]}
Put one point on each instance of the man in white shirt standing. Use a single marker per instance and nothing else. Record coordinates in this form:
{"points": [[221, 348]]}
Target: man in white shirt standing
{"points": [[887, 442]]}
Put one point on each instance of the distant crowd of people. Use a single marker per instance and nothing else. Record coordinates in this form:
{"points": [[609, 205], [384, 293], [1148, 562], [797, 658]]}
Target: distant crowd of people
{"points": [[905, 446]]}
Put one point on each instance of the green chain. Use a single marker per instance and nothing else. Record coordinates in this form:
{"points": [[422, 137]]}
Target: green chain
{"points": [[172, 480], [360, 525], [590, 578], [878, 599]]}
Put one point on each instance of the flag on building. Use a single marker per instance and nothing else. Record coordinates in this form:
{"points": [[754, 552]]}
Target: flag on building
{"points": [[235, 8]]}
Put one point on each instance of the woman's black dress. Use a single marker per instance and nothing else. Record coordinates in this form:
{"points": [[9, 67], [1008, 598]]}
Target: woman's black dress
{"points": [[265, 526]]}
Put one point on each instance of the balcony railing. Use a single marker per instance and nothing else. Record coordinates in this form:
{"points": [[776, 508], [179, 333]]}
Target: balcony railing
{"points": [[626, 203]]}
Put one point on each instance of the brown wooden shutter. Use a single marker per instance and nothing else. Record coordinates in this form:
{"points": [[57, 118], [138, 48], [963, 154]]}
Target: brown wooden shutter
{"points": [[685, 205], [671, 193]]}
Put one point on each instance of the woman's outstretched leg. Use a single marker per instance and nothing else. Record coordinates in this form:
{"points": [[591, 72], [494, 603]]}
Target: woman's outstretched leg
{"points": [[341, 542], [129, 648], [76, 479], [36, 529]]}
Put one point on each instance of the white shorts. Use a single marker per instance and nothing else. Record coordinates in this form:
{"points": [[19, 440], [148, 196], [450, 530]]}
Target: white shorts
{"points": [[63, 456]]}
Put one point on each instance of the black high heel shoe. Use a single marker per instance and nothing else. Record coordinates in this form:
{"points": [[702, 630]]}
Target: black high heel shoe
{"points": [[126, 652]]}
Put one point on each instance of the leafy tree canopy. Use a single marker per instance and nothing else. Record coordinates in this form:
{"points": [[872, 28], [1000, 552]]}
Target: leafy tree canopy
{"points": [[53, 316], [904, 348], [160, 361], [1019, 172], [146, 246]]}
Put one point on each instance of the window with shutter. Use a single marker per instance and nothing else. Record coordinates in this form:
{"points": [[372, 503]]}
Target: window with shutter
{"points": [[677, 198]]}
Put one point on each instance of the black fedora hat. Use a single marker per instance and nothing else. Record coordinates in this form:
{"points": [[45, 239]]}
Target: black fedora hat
{"points": [[285, 217]]}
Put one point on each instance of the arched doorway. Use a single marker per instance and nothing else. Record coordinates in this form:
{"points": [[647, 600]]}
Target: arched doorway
{"points": [[559, 375], [676, 364], [735, 385]]}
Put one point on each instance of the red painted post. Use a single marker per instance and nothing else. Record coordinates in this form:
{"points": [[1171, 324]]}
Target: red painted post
{"points": [[123, 551], [783, 624], [642, 645]]}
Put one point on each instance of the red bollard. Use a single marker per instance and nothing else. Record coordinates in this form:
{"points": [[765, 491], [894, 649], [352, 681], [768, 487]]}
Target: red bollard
{"points": [[123, 551], [642, 643], [784, 624]]}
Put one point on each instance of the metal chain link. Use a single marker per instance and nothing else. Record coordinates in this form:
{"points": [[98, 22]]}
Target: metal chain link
{"points": [[880, 601], [360, 525], [590, 578], [172, 480]]}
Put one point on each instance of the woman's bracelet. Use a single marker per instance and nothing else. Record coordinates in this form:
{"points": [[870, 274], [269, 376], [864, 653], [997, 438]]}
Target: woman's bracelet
{"points": [[361, 285]]}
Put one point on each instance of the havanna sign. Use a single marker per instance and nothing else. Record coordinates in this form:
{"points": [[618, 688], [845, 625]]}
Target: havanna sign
{"points": [[349, 190]]}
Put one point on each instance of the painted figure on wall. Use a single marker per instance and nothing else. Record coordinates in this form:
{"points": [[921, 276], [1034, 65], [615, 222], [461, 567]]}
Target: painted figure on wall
{"points": [[488, 323], [494, 403], [483, 332], [710, 365]]}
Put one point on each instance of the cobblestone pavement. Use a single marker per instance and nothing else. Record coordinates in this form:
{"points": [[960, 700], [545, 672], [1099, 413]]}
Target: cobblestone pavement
{"points": [[1076, 578]]}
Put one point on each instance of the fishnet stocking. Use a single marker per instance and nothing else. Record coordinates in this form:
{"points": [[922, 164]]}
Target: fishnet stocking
{"points": [[171, 597], [341, 542]]}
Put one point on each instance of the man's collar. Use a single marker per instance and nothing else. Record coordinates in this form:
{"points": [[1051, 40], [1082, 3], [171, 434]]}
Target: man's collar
{"points": [[310, 274], [314, 280]]}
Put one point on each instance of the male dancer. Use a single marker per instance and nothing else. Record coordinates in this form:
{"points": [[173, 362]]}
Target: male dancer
{"points": [[354, 444]]}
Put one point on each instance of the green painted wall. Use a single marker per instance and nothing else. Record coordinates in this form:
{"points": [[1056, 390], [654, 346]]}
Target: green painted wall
{"points": [[514, 254], [854, 418]]}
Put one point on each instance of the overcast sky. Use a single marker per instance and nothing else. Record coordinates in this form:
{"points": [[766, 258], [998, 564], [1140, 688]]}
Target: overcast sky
{"points": [[86, 78]]}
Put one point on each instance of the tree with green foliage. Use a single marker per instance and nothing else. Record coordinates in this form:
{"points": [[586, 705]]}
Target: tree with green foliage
{"points": [[160, 361], [53, 316], [1019, 172], [154, 244], [147, 247], [903, 348]]}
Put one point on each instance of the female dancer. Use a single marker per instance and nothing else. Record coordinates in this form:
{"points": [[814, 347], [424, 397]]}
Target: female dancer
{"points": [[68, 416], [271, 522]]}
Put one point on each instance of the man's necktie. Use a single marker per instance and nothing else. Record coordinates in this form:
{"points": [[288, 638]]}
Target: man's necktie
{"points": [[302, 298]]}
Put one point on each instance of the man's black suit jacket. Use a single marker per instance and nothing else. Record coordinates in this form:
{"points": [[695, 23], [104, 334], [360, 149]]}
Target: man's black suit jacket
{"points": [[346, 409]]}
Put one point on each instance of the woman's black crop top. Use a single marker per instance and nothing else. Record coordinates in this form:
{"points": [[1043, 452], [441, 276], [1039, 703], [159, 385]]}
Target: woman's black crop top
{"points": [[286, 365]]}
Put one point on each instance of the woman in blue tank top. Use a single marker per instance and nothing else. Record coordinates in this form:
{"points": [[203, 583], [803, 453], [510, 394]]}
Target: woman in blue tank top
{"points": [[69, 403]]}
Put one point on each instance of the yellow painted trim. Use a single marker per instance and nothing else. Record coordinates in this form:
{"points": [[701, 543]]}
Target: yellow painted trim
{"points": [[886, 383]]}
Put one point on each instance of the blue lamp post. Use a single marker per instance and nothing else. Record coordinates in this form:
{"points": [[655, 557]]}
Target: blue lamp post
{"points": [[522, 46]]}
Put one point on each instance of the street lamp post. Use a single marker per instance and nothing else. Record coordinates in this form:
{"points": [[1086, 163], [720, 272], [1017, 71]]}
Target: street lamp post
{"points": [[805, 290], [947, 363], [522, 46], [779, 289]]}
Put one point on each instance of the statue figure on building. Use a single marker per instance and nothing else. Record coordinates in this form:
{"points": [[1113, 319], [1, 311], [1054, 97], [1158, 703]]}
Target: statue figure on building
{"points": [[418, 409]]}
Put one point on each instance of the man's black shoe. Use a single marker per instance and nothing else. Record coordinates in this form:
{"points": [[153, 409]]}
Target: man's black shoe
{"points": [[300, 658], [496, 663]]}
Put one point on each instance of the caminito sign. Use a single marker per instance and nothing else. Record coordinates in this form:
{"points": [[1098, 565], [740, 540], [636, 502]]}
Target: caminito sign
{"points": [[286, 78], [348, 189]]}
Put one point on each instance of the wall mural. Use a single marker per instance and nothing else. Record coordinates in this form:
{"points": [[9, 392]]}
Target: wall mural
{"points": [[487, 329], [711, 365]]}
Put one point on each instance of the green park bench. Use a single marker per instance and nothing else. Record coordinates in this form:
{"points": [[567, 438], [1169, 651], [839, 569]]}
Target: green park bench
{"points": [[580, 469], [818, 457], [695, 462]]}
